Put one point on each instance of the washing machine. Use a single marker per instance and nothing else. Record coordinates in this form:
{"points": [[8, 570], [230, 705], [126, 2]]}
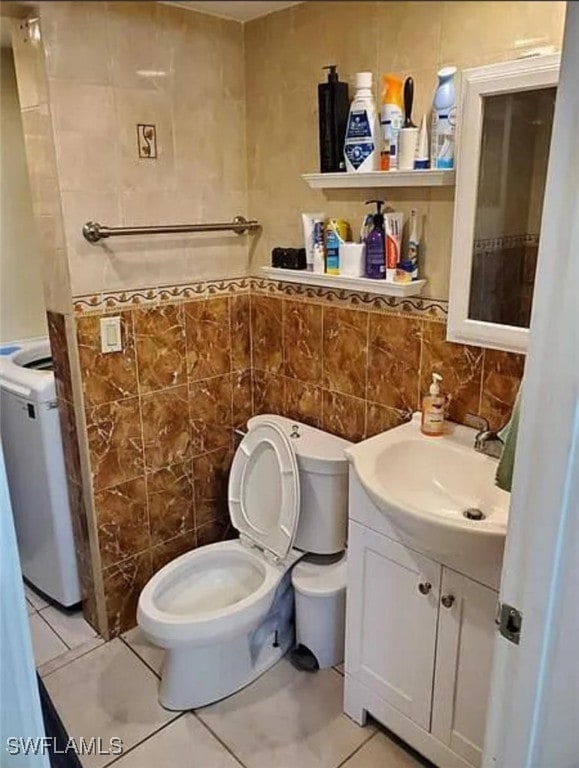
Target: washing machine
{"points": [[34, 459]]}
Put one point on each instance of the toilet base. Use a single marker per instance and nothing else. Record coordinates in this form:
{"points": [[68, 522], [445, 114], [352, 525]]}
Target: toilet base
{"points": [[195, 676]]}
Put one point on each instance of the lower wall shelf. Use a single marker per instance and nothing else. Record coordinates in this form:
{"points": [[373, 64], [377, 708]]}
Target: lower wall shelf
{"points": [[364, 284]]}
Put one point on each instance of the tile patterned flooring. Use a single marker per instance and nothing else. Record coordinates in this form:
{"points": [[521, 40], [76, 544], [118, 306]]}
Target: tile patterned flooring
{"points": [[286, 719]]}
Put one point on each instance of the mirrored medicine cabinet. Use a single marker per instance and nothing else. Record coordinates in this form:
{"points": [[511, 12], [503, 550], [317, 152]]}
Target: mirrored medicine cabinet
{"points": [[505, 124]]}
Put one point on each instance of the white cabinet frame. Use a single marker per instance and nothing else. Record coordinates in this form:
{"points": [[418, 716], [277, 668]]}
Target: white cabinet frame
{"points": [[510, 77]]}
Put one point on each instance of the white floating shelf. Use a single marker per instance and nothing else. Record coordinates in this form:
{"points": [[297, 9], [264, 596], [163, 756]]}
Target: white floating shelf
{"points": [[426, 178], [364, 284]]}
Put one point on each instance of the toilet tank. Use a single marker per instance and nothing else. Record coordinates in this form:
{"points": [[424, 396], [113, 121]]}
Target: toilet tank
{"points": [[323, 471]]}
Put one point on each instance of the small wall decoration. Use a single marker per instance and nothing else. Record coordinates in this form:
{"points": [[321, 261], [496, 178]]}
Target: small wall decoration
{"points": [[147, 141]]}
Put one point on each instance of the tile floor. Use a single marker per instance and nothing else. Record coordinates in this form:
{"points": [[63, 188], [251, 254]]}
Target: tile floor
{"points": [[286, 719]]}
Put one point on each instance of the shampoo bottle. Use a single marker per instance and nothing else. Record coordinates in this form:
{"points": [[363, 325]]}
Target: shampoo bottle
{"points": [[433, 409], [376, 245], [362, 143], [443, 120], [333, 107]]}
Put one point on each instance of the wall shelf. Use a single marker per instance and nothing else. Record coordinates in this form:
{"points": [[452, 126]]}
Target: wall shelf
{"points": [[363, 284], [374, 179]]}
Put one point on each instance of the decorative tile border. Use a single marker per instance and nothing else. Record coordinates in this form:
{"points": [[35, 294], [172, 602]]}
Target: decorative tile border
{"points": [[164, 294], [113, 301], [492, 244], [434, 309]]}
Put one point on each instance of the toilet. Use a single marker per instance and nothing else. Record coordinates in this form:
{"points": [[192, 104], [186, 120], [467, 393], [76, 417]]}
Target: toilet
{"points": [[224, 612]]}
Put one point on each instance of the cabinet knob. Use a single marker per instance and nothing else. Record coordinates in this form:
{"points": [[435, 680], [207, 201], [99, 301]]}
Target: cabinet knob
{"points": [[447, 600], [424, 587]]}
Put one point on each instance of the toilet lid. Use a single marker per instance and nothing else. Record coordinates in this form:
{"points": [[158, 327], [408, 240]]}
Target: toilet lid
{"points": [[264, 491]]}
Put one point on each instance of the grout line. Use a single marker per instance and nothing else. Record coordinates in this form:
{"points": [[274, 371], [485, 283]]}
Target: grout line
{"points": [[216, 737], [70, 661], [139, 657], [147, 738], [358, 748], [48, 624]]}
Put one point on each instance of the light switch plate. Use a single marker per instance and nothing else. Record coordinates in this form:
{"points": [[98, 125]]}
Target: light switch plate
{"points": [[111, 340]]}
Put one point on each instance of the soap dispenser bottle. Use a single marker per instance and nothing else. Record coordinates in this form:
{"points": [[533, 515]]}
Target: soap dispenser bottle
{"points": [[333, 108], [433, 409], [376, 244]]}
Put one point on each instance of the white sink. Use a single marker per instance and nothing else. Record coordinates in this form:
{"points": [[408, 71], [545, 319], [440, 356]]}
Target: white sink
{"points": [[426, 484]]}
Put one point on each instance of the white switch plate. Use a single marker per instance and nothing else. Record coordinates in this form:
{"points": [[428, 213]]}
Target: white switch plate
{"points": [[111, 340]]}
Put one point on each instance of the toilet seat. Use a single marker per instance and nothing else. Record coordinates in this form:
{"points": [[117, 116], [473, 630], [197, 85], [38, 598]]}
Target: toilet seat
{"points": [[264, 489]]}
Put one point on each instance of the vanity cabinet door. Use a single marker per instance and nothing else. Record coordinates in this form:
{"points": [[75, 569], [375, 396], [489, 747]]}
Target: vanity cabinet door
{"points": [[392, 608], [466, 632]]}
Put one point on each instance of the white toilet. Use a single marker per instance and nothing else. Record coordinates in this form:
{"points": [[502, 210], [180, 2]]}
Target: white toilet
{"points": [[224, 612]]}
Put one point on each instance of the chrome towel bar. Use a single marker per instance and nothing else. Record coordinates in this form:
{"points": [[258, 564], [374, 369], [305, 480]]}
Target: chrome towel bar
{"points": [[93, 231]]}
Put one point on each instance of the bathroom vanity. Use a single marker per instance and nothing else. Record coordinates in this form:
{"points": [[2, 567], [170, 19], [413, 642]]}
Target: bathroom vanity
{"points": [[423, 588]]}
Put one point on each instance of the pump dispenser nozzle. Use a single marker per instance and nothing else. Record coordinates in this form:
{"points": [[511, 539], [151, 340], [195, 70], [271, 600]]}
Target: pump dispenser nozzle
{"points": [[435, 386], [378, 217], [333, 73]]}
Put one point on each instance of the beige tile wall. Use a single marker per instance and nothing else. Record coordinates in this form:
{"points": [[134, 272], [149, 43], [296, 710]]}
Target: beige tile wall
{"points": [[411, 38], [111, 66]]}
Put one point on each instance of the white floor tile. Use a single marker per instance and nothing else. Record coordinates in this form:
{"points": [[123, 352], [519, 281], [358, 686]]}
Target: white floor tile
{"points": [[108, 692], [45, 643], [151, 654], [186, 743], [382, 752], [68, 656], [37, 601], [70, 627], [287, 718]]}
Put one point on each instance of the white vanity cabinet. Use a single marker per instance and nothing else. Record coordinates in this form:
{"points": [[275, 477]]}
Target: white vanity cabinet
{"points": [[419, 642]]}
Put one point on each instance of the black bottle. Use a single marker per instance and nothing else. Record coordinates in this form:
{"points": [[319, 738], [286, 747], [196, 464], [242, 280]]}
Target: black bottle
{"points": [[333, 108]]}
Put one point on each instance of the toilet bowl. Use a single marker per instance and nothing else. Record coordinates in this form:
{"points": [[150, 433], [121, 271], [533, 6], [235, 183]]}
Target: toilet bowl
{"points": [[224, 612]]}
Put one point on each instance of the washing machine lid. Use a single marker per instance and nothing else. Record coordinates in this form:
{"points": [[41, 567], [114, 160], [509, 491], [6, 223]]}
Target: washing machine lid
{"points": [[264, 491]]}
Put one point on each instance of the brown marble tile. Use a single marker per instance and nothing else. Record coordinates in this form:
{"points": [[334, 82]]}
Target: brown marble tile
{"points": [[211, 475], [166, 427], [115, 442], [123, 583], [123, 525], [502, 374], [163, 553], [303, 402], [215, 530], [266, 333], [210, 404], [240, 322], [345, 350], [84, 562], [460, 366], [111, 376], [69, 435], [268, 392], [380, 418], [242, 397], [208, 338], [302, 329], [60, 359], [171, 502], [160, 346], [394, 361], [343, 415]]}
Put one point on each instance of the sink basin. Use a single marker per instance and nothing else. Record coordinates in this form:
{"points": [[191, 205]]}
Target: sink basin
{"points": [[431, 488]]}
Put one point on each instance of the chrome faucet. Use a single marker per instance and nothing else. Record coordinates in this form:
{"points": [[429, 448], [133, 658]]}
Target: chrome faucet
{"points": [[486, 440]]}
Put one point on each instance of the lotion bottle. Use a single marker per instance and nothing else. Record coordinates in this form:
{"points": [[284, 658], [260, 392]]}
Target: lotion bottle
{"points": [[433, 409], [333, 108], [376, 245]]}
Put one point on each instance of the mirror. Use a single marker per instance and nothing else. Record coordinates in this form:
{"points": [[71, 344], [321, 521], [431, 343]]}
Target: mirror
{"points": [[505, 133]]}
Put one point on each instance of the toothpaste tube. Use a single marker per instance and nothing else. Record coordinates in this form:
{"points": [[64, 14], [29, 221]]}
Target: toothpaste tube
{"points": [[393, 225]]}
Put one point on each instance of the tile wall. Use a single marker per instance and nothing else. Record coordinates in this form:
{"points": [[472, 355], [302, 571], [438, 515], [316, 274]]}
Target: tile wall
{"points": [[160, 417], [357, 371]]}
